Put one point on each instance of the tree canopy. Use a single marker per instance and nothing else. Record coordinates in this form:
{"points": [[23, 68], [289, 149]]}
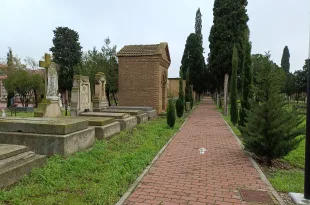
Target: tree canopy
{"points": [[67, 53]]}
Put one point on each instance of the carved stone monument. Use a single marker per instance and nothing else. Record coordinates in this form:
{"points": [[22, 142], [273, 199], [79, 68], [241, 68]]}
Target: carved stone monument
{"points": [[100, 101], [80, 95], [49, 107]]}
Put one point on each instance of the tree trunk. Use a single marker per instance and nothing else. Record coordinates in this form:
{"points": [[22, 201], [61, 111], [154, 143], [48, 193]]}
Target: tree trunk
{"points": [[217, 98], [108, 97], [226, 77], [115, 100]]}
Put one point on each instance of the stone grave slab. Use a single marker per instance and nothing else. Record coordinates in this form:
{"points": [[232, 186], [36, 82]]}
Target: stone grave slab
{"points": [[55, 126], [149, 110], [131, 108], [15, 162], [50, 144], [128, 123], [47, 136], [102, 114], [94, 121], [107, 131], [131, 112]]}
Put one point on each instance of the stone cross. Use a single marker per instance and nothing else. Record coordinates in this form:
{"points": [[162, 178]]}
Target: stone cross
{"points": [[45, 64]]}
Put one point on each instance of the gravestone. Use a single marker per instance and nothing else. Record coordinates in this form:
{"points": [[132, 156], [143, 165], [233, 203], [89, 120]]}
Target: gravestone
{"points": [[80, 95], [59, 101], [100, 101], [49, 107]]}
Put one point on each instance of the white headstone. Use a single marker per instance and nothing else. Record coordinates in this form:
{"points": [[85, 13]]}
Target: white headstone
{"points": [[60, 103], [3, 113], [52, 82]]}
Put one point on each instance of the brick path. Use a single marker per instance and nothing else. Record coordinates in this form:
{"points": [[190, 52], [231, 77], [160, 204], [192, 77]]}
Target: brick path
{"points": [[182, 176]]}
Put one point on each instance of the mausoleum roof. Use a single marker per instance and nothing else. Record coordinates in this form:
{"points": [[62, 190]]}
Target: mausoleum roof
{"points": [[144, 50]]}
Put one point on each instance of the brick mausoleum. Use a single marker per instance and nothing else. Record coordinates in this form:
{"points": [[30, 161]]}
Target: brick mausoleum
{"points": [[142, 77]]}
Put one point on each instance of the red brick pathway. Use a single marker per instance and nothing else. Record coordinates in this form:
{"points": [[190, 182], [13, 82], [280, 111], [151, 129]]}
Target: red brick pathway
{"points": [[182, 176]]}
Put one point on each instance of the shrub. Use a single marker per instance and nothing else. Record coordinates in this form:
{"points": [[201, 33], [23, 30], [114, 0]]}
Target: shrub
{"points": [[271, 131], [171, 113]]}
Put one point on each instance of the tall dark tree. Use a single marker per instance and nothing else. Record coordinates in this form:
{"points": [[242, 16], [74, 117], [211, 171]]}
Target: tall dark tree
{"points": [[188, 96], [246, 80], [194, 61], [229, 24], [198, 25], [285, 61], [271, 130], [180, 103], [67, 53], [233, 88]]}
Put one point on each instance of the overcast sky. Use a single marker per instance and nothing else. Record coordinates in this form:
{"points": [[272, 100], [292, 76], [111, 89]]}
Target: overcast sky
{"points": [[27, 26]]}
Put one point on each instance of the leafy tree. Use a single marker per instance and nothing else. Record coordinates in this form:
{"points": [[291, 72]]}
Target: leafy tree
{"points": [[233, 88], [37, 86], [105, 61], [180, 103], [171, 117], [198, 25], [193, 61], [246, 80], [270, 131], [67, 54], [229, 24], [300, 80], [285, 61]]}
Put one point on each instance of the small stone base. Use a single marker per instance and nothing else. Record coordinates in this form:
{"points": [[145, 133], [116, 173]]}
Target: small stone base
{"points": [[298, 198], [107, 131], [152, 113], [127, 123], [142, 118], [187, 106]]}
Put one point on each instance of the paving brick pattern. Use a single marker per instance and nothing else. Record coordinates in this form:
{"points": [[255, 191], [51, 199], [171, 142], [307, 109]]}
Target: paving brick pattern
{"points": [[182, 176]]}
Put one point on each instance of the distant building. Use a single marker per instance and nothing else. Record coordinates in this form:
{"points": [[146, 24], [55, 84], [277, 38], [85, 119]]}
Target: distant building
{"points": [[173, 87]]}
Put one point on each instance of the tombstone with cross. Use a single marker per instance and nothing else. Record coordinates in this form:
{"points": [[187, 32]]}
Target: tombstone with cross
{"points": [[45, 64]]}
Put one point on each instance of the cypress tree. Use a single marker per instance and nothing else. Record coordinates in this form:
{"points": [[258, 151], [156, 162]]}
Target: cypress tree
{"points": [[247, 80], [171, 113], [187, 88], [233, 88], [285, 61], [229, 24], [271, 130], [180, 103], [198, 25]]}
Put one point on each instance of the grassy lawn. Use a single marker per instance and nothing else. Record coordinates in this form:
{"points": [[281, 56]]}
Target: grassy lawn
{"points": [[100, 175], [289, 178]]}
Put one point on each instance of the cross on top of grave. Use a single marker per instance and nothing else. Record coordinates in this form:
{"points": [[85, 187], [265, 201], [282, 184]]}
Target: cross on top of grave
{"points": [[45, 64]]}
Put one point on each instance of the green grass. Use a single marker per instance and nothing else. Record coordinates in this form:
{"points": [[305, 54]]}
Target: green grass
{"points": [[296, 157], [100, 175], [287, 180], [291, 180]]}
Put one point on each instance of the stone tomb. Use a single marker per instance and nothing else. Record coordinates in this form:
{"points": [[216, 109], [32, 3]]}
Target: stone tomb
{"points": [[149, 110], [48, 136], [105, 127], [16, 161], [141, 116], [100, 101], [80, 95], [126, 121]]}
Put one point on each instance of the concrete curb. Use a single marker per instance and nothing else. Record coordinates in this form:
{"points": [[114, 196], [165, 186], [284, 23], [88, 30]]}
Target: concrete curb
{"points": [[256, 166], [145, 171]]}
